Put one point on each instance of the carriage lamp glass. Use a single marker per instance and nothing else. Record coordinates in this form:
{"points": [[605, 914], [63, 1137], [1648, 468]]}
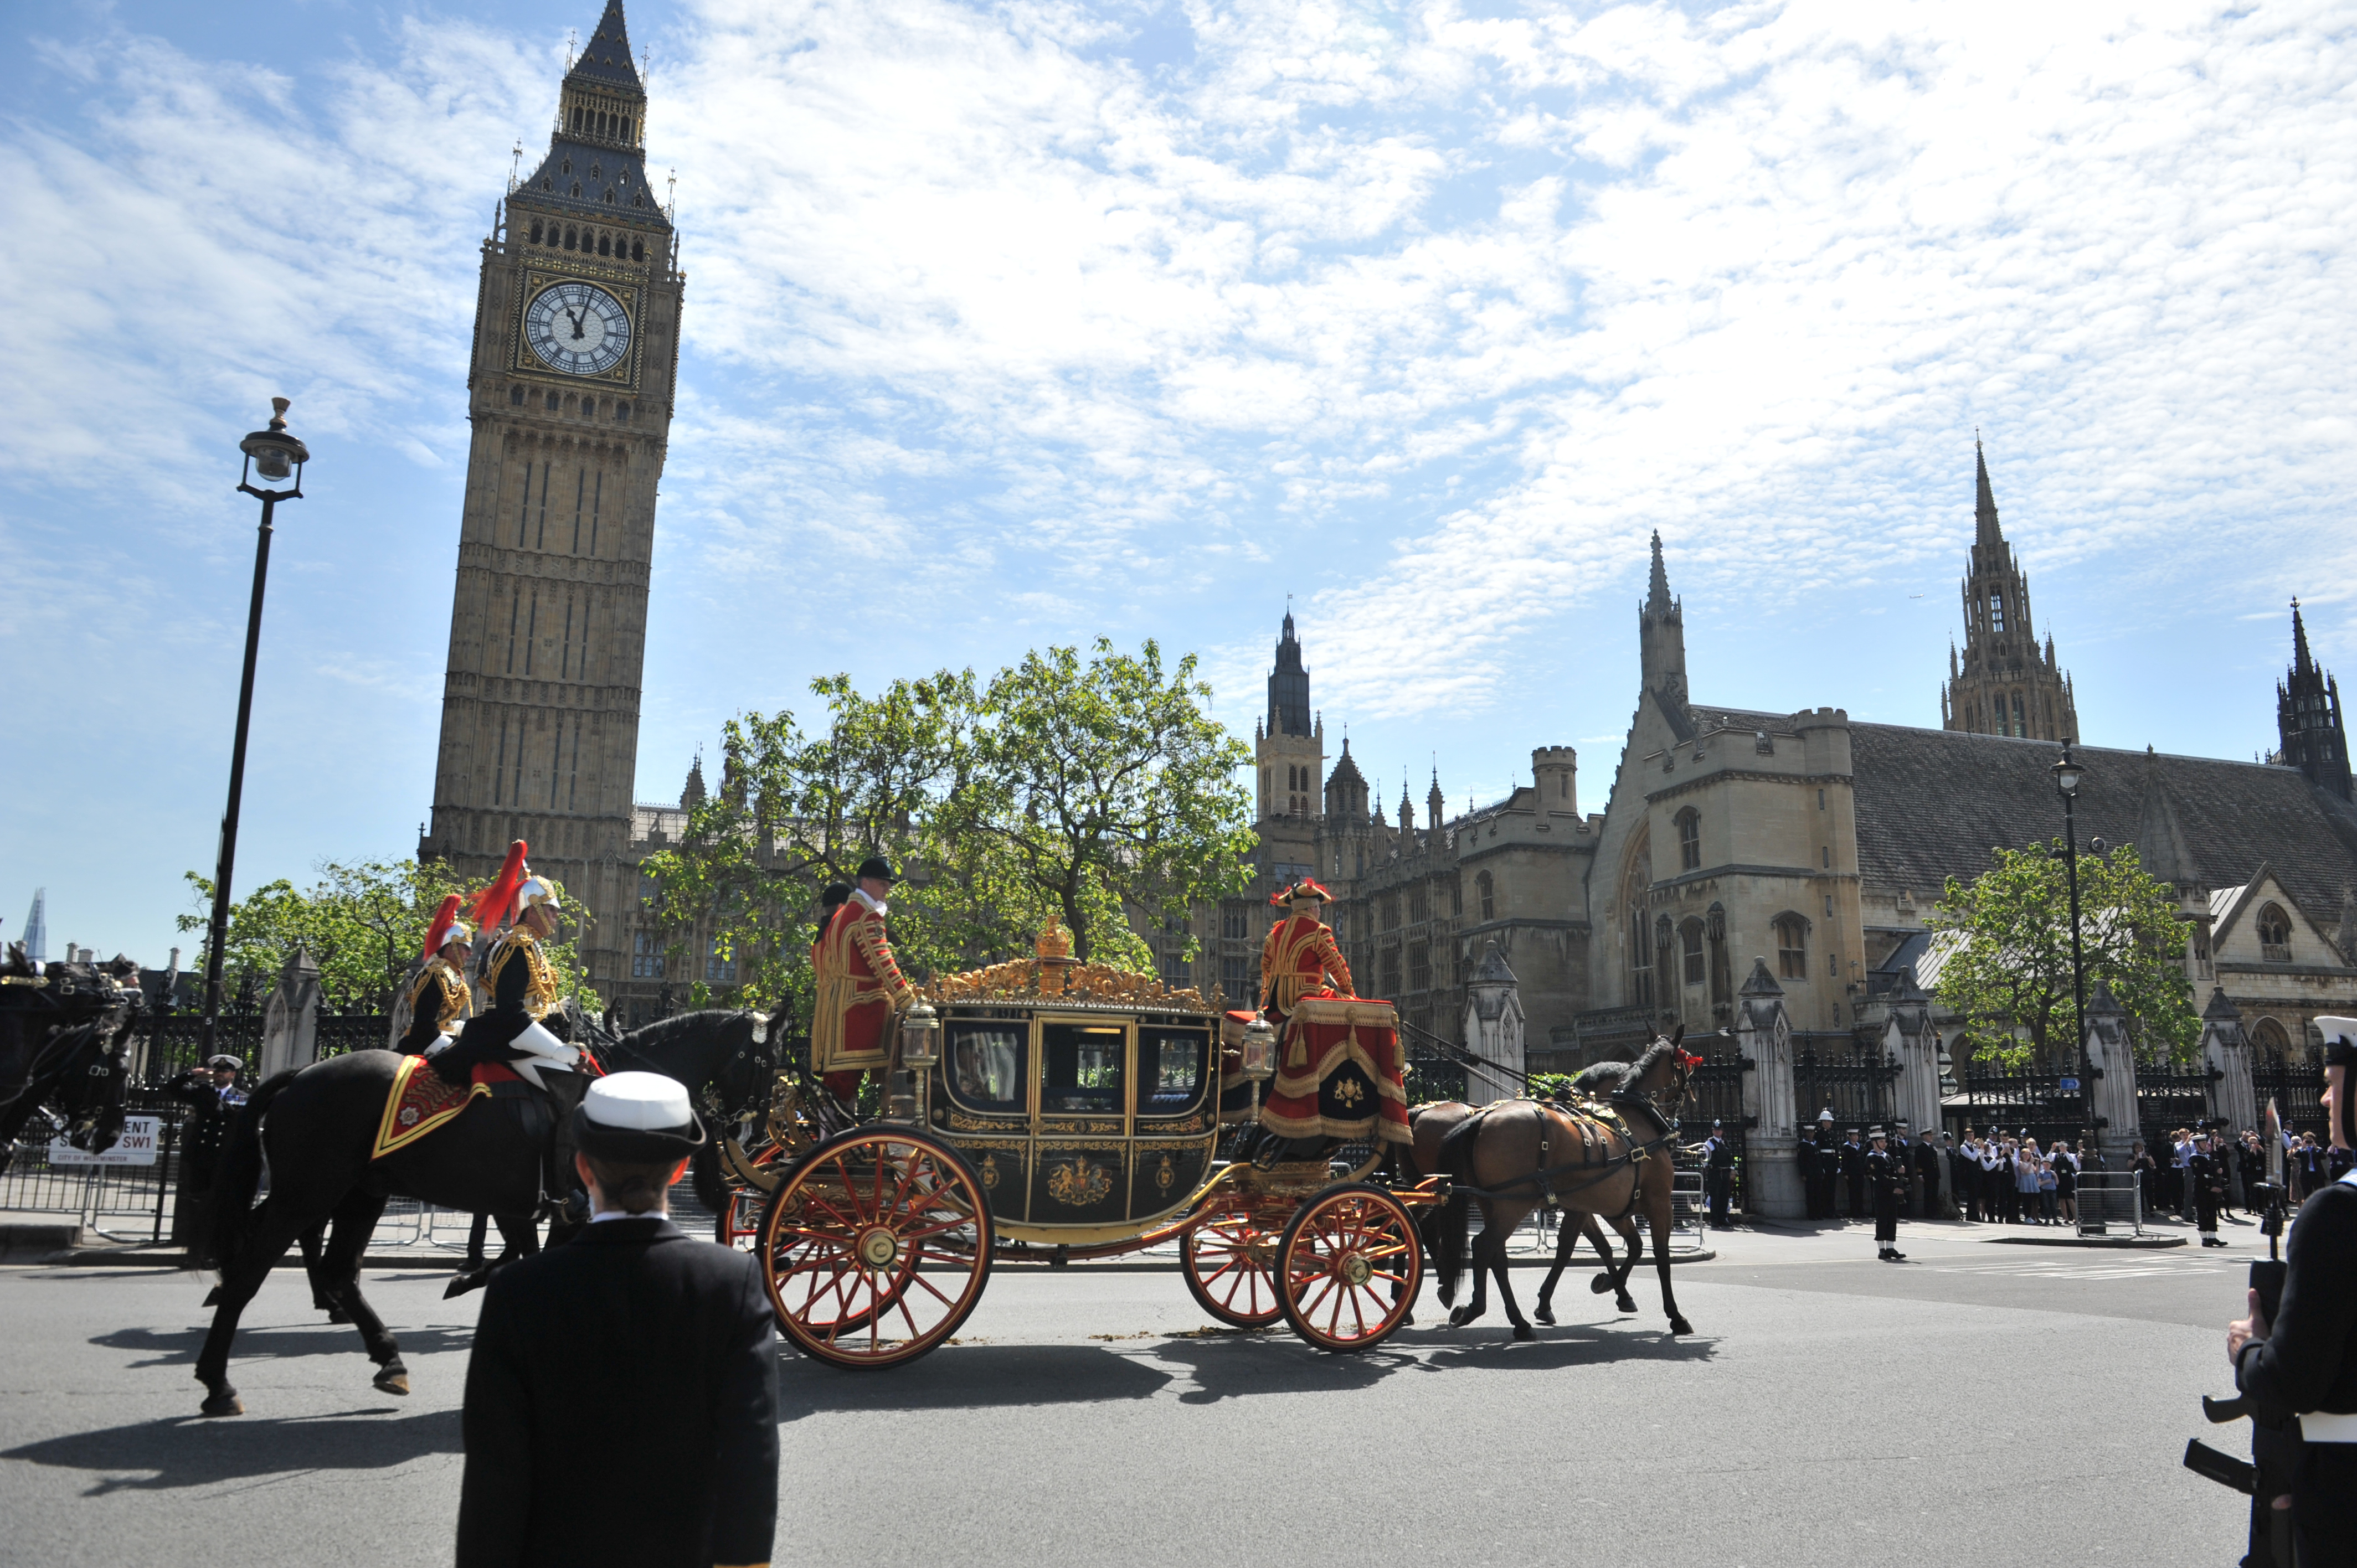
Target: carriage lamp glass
{"points": [[272, 452], [918, 1028], [1260, 1050]]}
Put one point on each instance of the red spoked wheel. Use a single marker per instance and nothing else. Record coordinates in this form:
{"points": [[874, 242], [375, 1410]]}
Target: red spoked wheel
{"points": [[877, 1247], [1230, 1261], [1350, 1265]]}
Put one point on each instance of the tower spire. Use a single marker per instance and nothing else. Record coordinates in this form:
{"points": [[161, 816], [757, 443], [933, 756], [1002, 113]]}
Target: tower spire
{"points": [[1985, 529], [1657, 590]]}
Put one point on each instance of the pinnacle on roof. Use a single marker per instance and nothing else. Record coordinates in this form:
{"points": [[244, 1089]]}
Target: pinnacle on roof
{"points": [[2300, 661], [1657, 591], [1983, 500], [2160, 840], [605, 59]]}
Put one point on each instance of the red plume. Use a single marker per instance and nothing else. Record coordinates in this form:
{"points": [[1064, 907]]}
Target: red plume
{"points": [[495, 903], [440, 924]]}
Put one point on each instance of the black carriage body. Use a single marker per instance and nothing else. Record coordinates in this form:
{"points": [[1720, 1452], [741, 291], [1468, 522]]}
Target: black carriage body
{"points": [[1086, 1123]]}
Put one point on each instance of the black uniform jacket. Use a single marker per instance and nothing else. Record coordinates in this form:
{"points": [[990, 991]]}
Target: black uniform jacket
{"points": [[488, 1032], [621, 1407], [2308, 1360], [1927, 1168]]}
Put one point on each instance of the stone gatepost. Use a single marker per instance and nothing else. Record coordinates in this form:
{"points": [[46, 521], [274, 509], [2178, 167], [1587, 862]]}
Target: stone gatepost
{"points": [[2115, 1097], [1909, 1037], [290, 1019], [1764, 1035], [2226, 1052], [1493, 1023]]}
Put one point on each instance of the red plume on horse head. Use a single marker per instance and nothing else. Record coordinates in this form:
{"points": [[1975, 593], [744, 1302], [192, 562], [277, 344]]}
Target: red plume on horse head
{"points": [[495, 903], [437, 927]]}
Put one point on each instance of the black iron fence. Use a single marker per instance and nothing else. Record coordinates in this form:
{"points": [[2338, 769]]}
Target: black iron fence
{"points": [[2170, 1097], [2048, 1105], [2295, 1087], [1861, 1086], [1715, 1093]]}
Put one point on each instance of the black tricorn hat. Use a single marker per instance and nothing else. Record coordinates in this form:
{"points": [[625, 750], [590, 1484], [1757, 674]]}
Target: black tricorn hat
{"points": [[876, 866], [637, 1118]]}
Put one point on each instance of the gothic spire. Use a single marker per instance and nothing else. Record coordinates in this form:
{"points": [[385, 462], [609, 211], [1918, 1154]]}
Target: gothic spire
{"points": [[1657, 595], [1984, 502], [605, 60], [2301, 661]]}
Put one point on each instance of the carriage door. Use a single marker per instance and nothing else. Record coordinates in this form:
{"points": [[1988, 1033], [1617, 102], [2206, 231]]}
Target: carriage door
{"points": [[1080, 1169], [1172, 1091], [985, 1069]]}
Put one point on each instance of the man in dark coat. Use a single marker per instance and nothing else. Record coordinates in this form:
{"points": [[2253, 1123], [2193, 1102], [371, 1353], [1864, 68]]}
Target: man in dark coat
{"points": [[621, 1398], [1719, 1175], [213, 1099], [1928, 1160], [2305, 1363], [1828, 1164], [1805, 1161], [2207, 1171], [1853, 1172], [1884, 1178]]}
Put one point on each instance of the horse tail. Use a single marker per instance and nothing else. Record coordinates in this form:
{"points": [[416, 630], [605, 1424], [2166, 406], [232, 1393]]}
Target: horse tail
{"points": [[1456, 1162], [228, 1216]]}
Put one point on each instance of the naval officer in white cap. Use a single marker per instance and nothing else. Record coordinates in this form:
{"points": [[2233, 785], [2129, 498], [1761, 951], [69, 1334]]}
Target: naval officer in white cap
{"points": [[621, 1398]]}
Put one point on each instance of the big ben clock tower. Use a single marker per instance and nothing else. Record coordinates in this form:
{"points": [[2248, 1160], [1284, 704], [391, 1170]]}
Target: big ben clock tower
{"points": [[570, 393]]}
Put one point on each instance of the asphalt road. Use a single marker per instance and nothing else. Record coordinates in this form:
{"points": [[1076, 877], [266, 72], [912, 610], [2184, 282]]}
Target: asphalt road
{"points": [[1981, 1400]]}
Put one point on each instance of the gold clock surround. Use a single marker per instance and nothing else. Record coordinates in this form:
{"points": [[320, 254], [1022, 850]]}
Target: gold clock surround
{"points": [[628, 289]]}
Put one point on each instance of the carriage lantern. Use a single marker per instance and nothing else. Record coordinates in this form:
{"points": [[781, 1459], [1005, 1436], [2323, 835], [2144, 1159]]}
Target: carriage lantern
{"points": [[918, 1027], [1260, 1050]]}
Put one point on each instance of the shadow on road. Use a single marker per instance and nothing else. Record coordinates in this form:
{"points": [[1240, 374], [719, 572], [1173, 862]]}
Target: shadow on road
{"points": [[969, 1376], [167, 1455], [178, 1347]]}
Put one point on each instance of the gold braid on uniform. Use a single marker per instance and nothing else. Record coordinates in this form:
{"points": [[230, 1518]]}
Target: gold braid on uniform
{"points": [[540, 990], [450, 995]]}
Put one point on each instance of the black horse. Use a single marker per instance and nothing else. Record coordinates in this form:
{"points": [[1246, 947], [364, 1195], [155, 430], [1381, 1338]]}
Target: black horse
{"points": [[317, 1125], [65, 1048]]}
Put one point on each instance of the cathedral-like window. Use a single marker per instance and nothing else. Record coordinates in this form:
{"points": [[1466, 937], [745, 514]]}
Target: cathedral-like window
{"points": [[610, 196], [566, 168], [1640, 960], [622, 413], [638, 250], [1791, 947], [1485, 893], [551, 403], [2274, 935], [626, 128], [572, 239], [596, 172], [2020, 725], [535, 231], [1690, 951], [1689, 840], [515, 397], [605, 244], [1997, 612]]}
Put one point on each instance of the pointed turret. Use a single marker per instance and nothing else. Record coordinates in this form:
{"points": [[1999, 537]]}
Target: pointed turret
{"points": [[1433, 814], [596, 163], [1661, 636], [1985, 529], [1657, 589], [1407, 810], [2006, 683], [2161, 839], [2308, 720], [693, 794]]}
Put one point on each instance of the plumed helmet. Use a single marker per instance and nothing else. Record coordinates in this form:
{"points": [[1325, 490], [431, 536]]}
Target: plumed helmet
{"points": [[534, 890], [445, 926], [495, 903]]}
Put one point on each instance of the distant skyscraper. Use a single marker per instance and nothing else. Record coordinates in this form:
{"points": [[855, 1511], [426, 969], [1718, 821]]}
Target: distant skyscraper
{"points": [[36, 928]]}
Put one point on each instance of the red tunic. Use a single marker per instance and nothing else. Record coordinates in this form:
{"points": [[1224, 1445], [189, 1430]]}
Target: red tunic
{"points": [[858, 988]]}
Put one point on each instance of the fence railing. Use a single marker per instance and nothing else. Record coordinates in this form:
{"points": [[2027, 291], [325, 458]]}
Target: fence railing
{"points": [[2110, 1203]]}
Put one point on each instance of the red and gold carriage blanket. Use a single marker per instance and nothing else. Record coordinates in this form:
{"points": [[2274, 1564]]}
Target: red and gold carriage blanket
{"points": [[420, 1102], [1340, 1072]]}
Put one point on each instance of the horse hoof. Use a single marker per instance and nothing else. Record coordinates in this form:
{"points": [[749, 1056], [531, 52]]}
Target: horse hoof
{"points": [[393, 1382], [1407, 1320], [1460, 1317], [1525, 1331], [1602, 1284], [1626, 1304], [1680, 1326], [224, 1403], [212, 1296], [1544, 1312], [460, 1283]]}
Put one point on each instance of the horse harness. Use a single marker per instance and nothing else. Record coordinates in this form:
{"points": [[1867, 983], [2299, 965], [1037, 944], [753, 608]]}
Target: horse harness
{"points": [[1589, 1116]]}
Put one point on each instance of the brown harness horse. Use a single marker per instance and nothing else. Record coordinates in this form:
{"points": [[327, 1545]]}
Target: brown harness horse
{"points": [[1514, 1155]]}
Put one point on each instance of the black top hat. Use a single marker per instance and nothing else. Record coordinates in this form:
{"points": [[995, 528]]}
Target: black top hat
{"points": [[638, 1118], [876, 866]]}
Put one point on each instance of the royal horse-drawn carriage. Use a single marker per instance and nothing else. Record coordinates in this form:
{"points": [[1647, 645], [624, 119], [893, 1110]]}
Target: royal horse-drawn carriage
{"points": [[1049, 1110]]}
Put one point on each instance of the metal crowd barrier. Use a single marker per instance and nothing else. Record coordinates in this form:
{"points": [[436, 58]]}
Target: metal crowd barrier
{"points": [[2110, 1203]]}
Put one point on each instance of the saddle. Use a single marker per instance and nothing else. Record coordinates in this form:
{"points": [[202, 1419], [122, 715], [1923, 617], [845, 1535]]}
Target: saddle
{"points": [[420, 1102]]}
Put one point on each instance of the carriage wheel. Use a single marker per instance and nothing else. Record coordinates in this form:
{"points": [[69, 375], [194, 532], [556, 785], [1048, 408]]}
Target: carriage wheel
{"points": [[1350, 1266], [877, 1247], [1230, 1263]]}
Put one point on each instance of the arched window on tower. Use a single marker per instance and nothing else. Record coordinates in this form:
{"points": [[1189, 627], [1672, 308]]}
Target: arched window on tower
{"points": [[1690, 951], [1689, 840], [2274, 935], [1996, 611], [2020, 724], [1641, 959], [1485, 893], [1791, 947], [1722, 979]]}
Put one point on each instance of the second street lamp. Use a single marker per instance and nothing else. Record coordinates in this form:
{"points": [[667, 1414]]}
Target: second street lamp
{"points": [[271, 454], [2068, 773]]}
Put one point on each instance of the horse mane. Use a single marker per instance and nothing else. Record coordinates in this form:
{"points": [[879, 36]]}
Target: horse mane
{"points": [[1602, 1078], [1646, 1066]]}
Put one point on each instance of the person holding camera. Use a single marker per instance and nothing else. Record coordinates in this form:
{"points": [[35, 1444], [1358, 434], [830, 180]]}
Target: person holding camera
{"points": [[2304, 1363]]}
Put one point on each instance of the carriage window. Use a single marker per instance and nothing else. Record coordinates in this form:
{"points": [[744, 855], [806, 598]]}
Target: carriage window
{"points": [[1082, 1069], [987, 1065], [1170, 1070]]}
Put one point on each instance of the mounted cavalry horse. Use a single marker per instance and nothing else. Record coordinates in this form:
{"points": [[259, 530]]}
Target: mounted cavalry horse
{"points": [[339, 1143], [1611, 1161], [65, 1048]]}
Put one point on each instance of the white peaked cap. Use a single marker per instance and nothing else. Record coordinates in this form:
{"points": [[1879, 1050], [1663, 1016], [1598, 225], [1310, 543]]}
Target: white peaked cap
{"points": [[2337, 1028], [638, 1102]]}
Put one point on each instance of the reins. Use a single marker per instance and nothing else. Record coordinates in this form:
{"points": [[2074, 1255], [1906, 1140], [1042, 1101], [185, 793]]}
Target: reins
{"points": [[1543, 1178]]}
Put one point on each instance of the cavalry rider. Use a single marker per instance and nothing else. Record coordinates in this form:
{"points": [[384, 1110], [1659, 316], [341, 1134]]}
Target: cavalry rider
{"points": [[1299, 956], [859, 986], [439, 1000], [519, 981]]}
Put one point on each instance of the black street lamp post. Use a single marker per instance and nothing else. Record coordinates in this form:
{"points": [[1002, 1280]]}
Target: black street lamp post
{"points": [[271, 454], [2067, 775]]}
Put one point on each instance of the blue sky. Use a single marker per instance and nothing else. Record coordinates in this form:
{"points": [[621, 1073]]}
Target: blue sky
{"points": [[1016, 324]]}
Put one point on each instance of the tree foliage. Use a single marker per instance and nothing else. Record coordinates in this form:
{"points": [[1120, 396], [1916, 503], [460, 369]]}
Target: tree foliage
{"points": [[2013, 973], [1070, 785], [363, 924]]}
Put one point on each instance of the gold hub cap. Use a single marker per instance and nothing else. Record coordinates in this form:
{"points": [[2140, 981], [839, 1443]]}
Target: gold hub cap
{"points": [[1353, 1269], [878, 1247]]}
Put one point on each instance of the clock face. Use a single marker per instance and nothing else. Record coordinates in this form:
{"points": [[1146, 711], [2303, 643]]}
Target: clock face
{"points": [[577, 328]]}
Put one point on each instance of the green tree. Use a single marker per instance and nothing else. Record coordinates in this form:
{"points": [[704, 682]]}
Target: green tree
{"points": [[2012, 972], [363, 924], [1074, 787]]}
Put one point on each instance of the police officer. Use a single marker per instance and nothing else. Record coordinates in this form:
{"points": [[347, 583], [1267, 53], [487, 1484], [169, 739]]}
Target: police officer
{"points": [[1718, 1174], [2305, 1362], [1852, 1171], [1828, 1163], [2207, 1172], [622, 1394], [1883, 1178], [1928, 1161], [1804, 1162]]}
